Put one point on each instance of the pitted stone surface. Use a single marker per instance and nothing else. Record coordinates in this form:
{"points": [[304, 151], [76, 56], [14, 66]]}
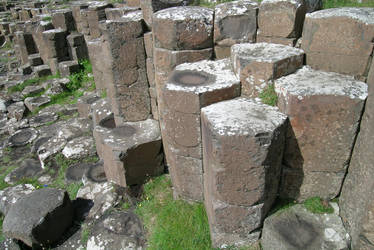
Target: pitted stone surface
{"points": [[16, 110], [183, 28], [101, 110], [42, 119], [339, 40], [79, 148], [32, 103], [191, 87], [23, 137], [95, 173], [297, 228], [50, 148], [258, 64], [39, 218], [324, 110], [11, 195], [30, 168], [131, 151], [234, 22], [243, 144], [84, 104], [32, 90]]}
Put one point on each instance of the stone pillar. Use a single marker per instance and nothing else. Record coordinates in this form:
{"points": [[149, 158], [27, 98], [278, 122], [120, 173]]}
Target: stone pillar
{"points": [[132, 151], [77, 46], [25, 46], [356, 198], [176, 40], [243, 144], [257, 65], [63, 19], [96, 48], [324, 111], [95, 14], [234, 22], [37, 34], [191, 87], [56, 49], [281, 21], [117, 13], [127, 85], [339, 40], [76, 11]]}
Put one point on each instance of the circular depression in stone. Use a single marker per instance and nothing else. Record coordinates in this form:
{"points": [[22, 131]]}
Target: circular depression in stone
{"points": [[108, 122], [191, 78], [75, 172], [22, 137], [96, 173], [124, 131]]}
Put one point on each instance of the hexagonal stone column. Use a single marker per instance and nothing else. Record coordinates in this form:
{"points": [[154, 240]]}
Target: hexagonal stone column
{"points": [[281, 21], [25, 46], [127, 85], [95, 14], [96, 48], [243, 144], [257, 65], [234, 22], [339, 40], [63, 19], [191, 87], [56, 48], [131, 151], [324, 109], [76, 8]]}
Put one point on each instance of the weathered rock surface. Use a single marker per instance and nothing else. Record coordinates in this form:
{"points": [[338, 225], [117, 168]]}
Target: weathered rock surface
{"points": [[30, 168], [32, 103], [339, 40], [84, 104], [11, 195], [191, 87], [297, 228], [39, 218], [234, 22], [243, 144], [257, 65], [79, 148], [324, 111], [16, 110], [22, 137]]}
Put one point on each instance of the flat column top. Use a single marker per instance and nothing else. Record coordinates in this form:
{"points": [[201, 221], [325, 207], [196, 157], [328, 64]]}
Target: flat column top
{"points": [[365, 15]]}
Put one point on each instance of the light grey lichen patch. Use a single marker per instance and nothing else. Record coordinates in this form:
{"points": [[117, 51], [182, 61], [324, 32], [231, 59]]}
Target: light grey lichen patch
{"points": [[224, 77], [243, 117], [365, 15], [186, 12], [309, 82], [234, 8]]}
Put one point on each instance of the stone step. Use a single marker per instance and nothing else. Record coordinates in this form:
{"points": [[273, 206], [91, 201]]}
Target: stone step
{"points": [[68, 68], [35, 60], [257, 65], [84, 104], [131, 151], [63, 19], [101, 111], [324, 109], [243, 143], [191, 87]]}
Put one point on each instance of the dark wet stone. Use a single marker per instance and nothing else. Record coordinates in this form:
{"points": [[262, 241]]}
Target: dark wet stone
{"points": [[23, 137]]}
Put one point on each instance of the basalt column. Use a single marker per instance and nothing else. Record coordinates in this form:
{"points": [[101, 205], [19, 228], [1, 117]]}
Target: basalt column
{"points": [[324, 109], [243, 144], [191, 87], [180, 35]]}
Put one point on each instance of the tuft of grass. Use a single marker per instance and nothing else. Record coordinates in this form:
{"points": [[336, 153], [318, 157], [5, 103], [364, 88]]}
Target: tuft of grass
{"points": [[346, 3], [318, 206], [29, 82], [47, 18], [103, 94], [85, 234], [2, 238], [172, 224], [73, 189], [269, 96], [281, 205]]}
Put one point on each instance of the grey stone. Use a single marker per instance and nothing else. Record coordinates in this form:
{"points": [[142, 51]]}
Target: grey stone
{"points": [[101, 111], [84, 104], [50, 148], [76, 172], [32, 90], [79, 148], [42, 70], [29, 168], [39, 218], [22, 137], [35, 60], [16, 110], [68, 68], [32, 103], [11, 195], [296, 228], [95, 173]]}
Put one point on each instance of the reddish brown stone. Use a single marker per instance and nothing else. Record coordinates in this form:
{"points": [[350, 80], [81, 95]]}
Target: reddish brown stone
{"points": [[183, 28], [324, 111], [339, 40], [243, 144], [278, 40], [63, 19]]}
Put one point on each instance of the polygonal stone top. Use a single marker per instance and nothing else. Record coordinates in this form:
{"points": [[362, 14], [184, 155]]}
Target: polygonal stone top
{"points": [[234, 8], [133, 16], [202, 76], [309, 82], [277, 1], [242, 116], [58, 30], [184, 13], [364, 15], [263, 52]]}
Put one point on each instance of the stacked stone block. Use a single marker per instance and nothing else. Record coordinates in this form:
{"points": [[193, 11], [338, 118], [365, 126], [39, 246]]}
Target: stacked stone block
{"points": [[96, 51], [63, 19], [191, 87], [56, 49], [37, 34], [243, 144], [281, 21], [76, 11], [234, 22], [258, 65], [95, 14], [77, 46], [180, 35], [25, 46], [324, 109], [125, 73], [117, 13], [121, 147], [340, 40]]}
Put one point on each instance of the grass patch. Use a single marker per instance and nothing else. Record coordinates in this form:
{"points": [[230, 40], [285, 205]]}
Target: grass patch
{"points": [[346, 3], [47, 18], [103, 93], [172, 224], [85, 234], [269, 96], [32, 81], [318, 206]]}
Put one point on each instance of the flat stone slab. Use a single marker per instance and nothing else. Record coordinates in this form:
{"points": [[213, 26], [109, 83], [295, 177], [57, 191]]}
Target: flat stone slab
{"points": [[43, 119], [95, 173], [297, 228], [101, 110], [32, 90], [32, 103], [258, 64], [79, 148], [324, 109], [22, 137], [84, 104], [29, 168], [16, 110], [183, 28], [39, 218], [11, 195]]}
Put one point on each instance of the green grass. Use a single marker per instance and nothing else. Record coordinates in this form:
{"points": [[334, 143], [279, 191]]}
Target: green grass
{"points": [[103, 94], [346, 3], [269, 96], [172, 224], [29, 82], [317, 206], [85, 234], [281, 205], [47, 18]]}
